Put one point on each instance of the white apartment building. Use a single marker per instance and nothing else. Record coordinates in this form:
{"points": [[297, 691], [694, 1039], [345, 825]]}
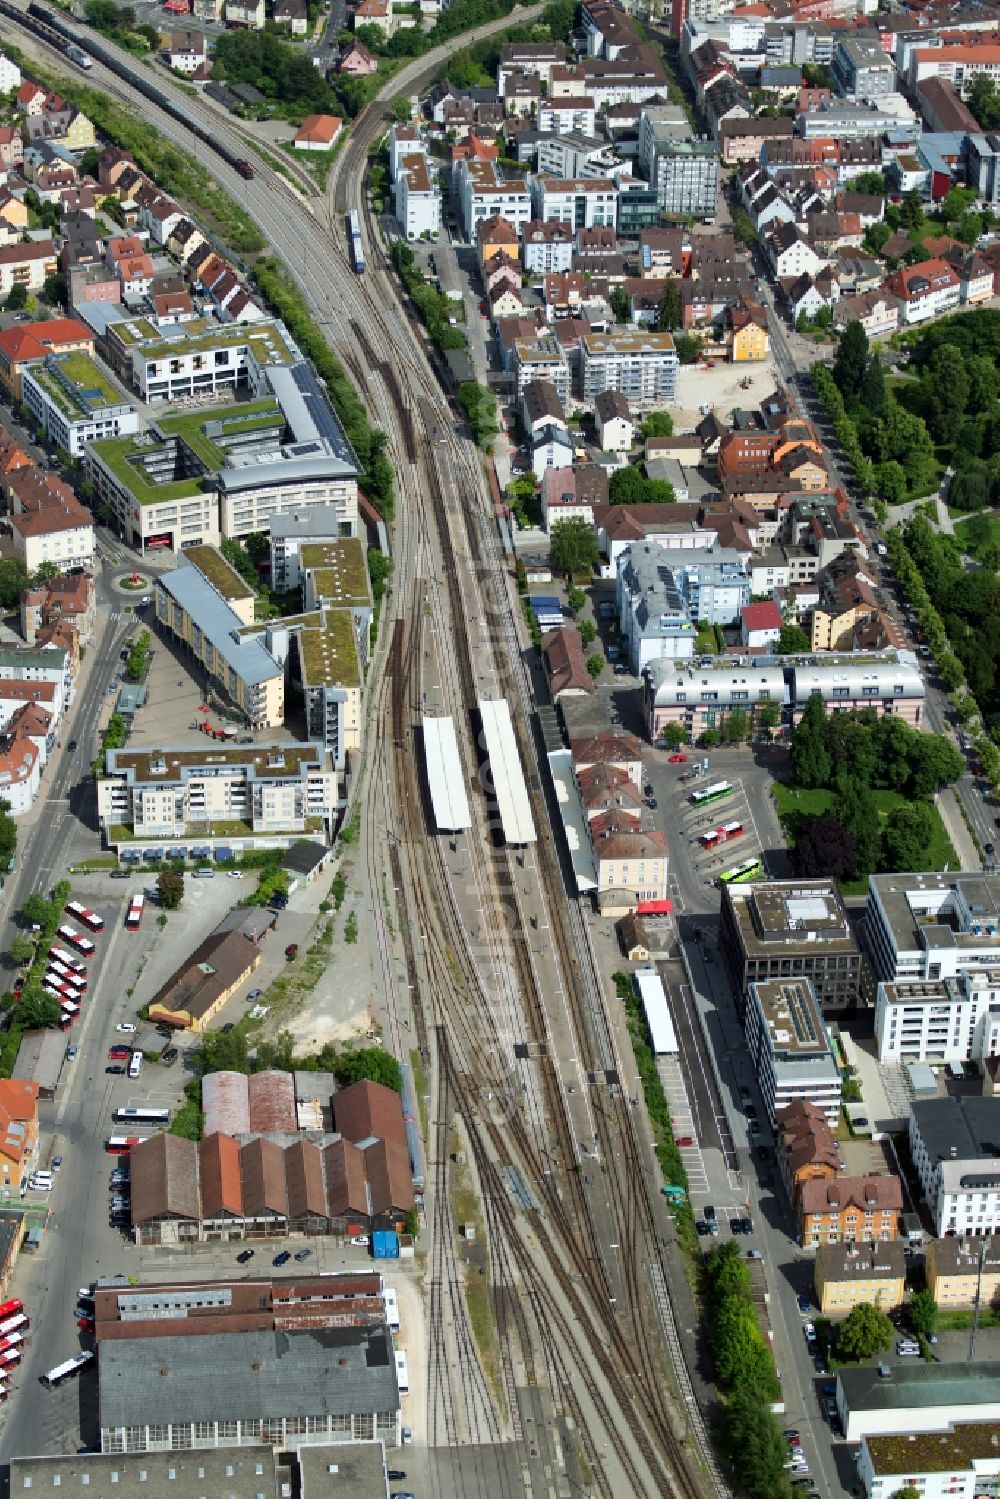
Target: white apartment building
{"points": [[483, 192], [547, 247], [950, 1020], [319, 525], [953, 1146], [166, 363], [790, 1047], [686, 178], [640, 366], [959, 1462], [40, 664], [960, 64], [541, 358], [583, 202], [10, 75], [566, 116], [404, 140], [928, 927], [74, 403], [276, 790], [574, 155], [64, 539], [418, 202]]}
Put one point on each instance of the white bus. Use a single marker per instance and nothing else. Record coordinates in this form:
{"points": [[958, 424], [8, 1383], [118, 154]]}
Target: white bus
{"points": [[142, 1116], [77, 939], [402, 1377], [391, 1309], [60, 955], [79, 912], [68, 1369]]}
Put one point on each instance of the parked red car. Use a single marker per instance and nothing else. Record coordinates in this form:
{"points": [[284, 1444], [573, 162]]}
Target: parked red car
{"points": [[677, 759], [684, 1140]]}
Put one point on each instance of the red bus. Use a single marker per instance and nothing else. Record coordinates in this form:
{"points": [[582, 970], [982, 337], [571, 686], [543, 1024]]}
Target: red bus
{"points": [[78, 940], [13, 1341], [19, 1323], [133, 921], [654, 908], [62, 988], [60, 955], [59, 970], [121, 1144], [722, 834], [8, 1308], [90, 919], [10, 1356]]}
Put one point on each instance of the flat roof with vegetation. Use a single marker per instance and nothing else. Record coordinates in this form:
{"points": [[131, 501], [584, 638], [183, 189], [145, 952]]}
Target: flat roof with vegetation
{"points": [[328, 649], [270, 341], [339, 568], [221, 574], [82, 389], [264, 761]]}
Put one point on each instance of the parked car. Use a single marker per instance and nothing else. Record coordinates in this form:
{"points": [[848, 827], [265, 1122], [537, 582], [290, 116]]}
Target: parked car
{"points": [[244, 1256], [255, 994], [116, 1068], [684, 1140], [282, 1258], [116, 1051], [71, 1052], [303, 1254], [360, 1241], [677, 759], [126, 1028], [169, 1057]]}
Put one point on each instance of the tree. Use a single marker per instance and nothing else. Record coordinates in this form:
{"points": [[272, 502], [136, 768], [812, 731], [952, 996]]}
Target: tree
{"points": [[872, 393], [792, 641], [588, 631], [740, 1355], [13, 581], [573, 546], [237, 558], [401, 108], [669, 315], [890, 481], [811, 763], [876, 236], [984, 102], [628, 487], [865, 1331], [755, 1441], [906, 838], [658, 424], [689, 345], [851, 361], [934, 762], [370, 1062], [620, 304], [736, 727], [170, 888], [823, 846], [956, 202], [984, 382], [17, 298], [576, 599], [480, 408], [37, 910], [674, 735], [923, 1312], [224, 1051], [911, 215], [21, 950], [595, 664], [949, 384], [37, 1010]]}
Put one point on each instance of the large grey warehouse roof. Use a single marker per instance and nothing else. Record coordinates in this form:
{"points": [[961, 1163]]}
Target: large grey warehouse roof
{"points": [[307, 410], [238, 1472], [970, 1126], [330, 1371], [247, 656], [920, 1384]]}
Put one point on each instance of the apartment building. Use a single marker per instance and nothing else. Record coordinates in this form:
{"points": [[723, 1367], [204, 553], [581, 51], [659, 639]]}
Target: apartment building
{"points": [[545, 248], [482, 192], [850, 1210], [848, 1275], [702, 696], [948, 1020], [574, 115], [953, 1146], [804, 1147], [640, 366], [583, 202], [960, 1462], [418, 202], [274, 792], [27, 264], [861, 69], [711, 584], [961, 1271], [46, 521], [74, 403], [743, 138], [318, 525], [574, 155], [926, 290], [790, 929], [888, 681], [960, 64], [196, 357], [686, 177], [27, 343], [541, 358], [928, 927], [790, 1048]]}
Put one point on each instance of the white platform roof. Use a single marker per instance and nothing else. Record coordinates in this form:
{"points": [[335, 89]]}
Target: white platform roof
{"points": [[506, 772], [573, 819], [444, 775], [658, 1017]]}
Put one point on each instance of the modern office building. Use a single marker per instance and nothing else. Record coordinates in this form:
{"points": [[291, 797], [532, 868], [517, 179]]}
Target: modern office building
{"points": [[584, 202], [790, 929], [684, 172], [954, 1150], [199, 357], [888, 681], [290, 532], [947, 1020], [74, 403], [789, 1046], [641, 366], [959, 1462], [862, 69], [928, 927]]}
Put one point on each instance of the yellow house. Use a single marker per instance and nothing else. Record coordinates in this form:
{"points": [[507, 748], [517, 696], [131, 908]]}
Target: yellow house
{"points": [[80, 134], [495, 236], [749, 340], [196, 993], [835, 632], [958, 1269], [13, 211], [849, 1275]]}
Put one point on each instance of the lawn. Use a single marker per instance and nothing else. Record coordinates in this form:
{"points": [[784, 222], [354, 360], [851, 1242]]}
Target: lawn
{"points": [[792, 804], [962, 527]]}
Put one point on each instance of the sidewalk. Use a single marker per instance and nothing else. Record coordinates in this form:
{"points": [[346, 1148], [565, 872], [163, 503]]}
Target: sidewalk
{"points": [[961, 838]]}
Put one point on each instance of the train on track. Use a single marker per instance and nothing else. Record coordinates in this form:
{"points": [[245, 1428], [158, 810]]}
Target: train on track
{"points": [[52, 29], [354, 241]]}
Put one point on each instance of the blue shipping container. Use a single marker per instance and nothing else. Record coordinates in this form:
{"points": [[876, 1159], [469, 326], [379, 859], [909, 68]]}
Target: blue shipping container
{"points": [[385, 1245]]}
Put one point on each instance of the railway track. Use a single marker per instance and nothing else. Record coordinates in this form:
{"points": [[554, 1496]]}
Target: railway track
{"points": [[551, 1289]]}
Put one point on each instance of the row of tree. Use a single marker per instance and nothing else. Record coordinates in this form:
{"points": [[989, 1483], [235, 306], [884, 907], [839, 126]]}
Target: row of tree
{"points": [[744, 1369]]}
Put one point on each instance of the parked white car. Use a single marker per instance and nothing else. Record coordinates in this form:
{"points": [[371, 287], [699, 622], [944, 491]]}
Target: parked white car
{"points": [[126, 1028]]}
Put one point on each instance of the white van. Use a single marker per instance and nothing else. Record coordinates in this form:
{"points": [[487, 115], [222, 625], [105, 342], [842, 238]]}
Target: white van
{"points": [[956, 1071], [135, 1064]]}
